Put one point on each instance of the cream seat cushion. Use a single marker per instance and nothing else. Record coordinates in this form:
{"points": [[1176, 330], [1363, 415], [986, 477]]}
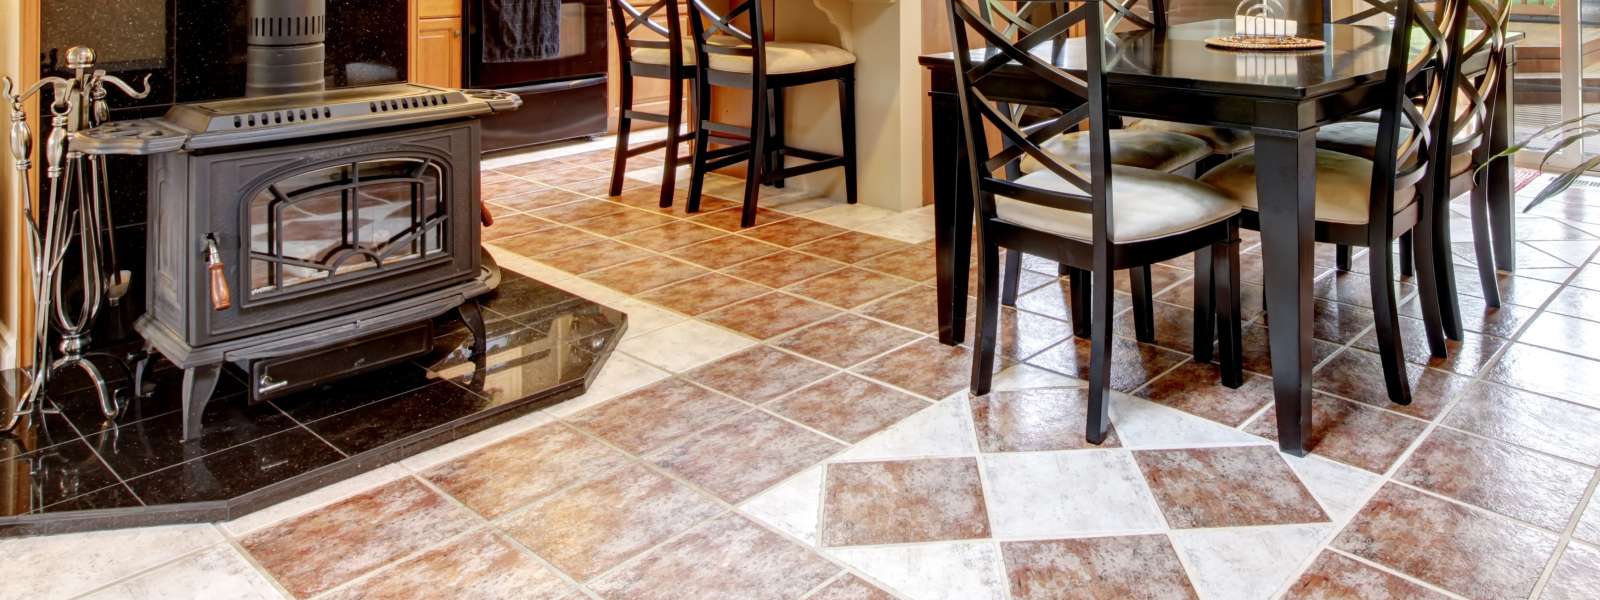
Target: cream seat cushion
{"points": [[1223, 140], [1361, 138], [660, 56], [1344, 186], [1154, 150], [787, 57], [1146, 205]]}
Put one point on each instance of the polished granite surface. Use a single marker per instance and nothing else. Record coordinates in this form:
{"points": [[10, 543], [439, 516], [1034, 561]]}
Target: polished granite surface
{"points": [[74, 470]]}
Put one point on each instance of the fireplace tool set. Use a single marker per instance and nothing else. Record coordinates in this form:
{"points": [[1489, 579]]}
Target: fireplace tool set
{"points": [[73, 218]]}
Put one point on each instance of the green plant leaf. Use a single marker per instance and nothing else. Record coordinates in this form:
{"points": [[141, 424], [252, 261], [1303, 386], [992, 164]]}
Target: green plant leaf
{"points": [[1564, 181], [1567, 141]]}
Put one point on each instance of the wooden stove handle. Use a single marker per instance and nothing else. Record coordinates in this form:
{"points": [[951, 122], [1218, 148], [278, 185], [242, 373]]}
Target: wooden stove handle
{"points": [[221, 296]]}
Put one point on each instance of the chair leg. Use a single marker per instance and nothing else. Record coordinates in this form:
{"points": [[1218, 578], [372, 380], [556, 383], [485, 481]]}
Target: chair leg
{"points": [[1079, 286], [847, 131], [702, 143], [1444, 268], [756, 167], [1144, 306], [1204, 312], [1230, 321], [1408, 255], [619, 161], [1008, 291], [1427, 265], [775, 127], [1102, 298], [1483, 248], [669, 172], [1385, 313], [1341, 258], [988, 318]]}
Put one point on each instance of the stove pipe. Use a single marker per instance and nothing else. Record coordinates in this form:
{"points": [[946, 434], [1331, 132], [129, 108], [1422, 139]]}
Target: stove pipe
{"points": [[286, 46]]}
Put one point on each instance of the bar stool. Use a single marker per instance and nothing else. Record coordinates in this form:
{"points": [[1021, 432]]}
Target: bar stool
{"points": [[671, 59]]}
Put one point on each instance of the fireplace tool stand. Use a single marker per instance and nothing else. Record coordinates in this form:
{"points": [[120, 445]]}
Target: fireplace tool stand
{"points": [[75, 212]]}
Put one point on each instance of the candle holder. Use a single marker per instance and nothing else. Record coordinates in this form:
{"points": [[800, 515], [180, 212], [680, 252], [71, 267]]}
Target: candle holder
{"points": [[1263, 25]]}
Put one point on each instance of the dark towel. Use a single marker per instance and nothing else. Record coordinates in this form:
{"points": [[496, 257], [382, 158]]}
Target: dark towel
{"points": [[520, 30]]}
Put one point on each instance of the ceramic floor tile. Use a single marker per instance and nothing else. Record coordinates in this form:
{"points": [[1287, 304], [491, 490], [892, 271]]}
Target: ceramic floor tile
{"points": [[619, 223], [925, 367], [1034, 420], [703, 294], [670, 236], [1257, 350], [495, 184], [644, 274], [850, 287], [1067, 494], [1132, 364], [657, 414], [851, 246], [946, 571], [915, 263], [1567, 334], [514, 225], [530, 200], [783, 268], [479, 565], [771, 315], [1174, 326], [1467, 356], [1358, 375], [218, 572], [845, 340], [1577, 576], [793, 507], [64, 566], [850, 587], [868, 503], [743, 456], [1247, 563], [1575, 302], [1223, 487], [1021, 335], [1142, 566], [586, 530], [943, 430], [593, 257], [728, 219], [1197, 389], [523, 468], [1503, 478], [916, 308], [546, 240], [724, 251], [1588, 528], [685, 345], [577, 211], [357, 535], [847, 407], [1476, 316], [759, 374], [1548, 372], [729, 557], [1445, 544], [1544, 424], [792, 232], [1350, 432], [1334, 576]]}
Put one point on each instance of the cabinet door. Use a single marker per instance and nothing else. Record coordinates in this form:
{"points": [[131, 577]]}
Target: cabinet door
{"points": [[438, 48]]}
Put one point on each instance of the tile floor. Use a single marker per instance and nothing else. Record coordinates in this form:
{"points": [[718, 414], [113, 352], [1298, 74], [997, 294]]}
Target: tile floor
{"points": [[777, 423]]}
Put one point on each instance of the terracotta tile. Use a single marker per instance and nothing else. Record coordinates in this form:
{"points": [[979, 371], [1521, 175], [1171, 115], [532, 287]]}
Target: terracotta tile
{"points": [[1335, 322], [916, 308], [1335, 577], [649, 198], [1257, 350], [766, 316], [600, 187], [1514, 416], [1350, 432], [547, 240], [586, 530], [524, 468], [1514, 482], [759, 374], [676, 234], [915, 263], [1577, 576], [1476, 316], [511, 225], [738, 458], [850, 287], [1142, 566], [1353, 288], [1034, 420], [1022, 334], [703, 294], [644, 274], [618, 223], [1447, 545], [1132, 364], [909, 501], [578, 211], [845, 340], [1467, 356], [724, 252], [848, 407], [730, 557], [556, 173], [851, 246], [479, 565], [593, 257], [1227, 487], [1161, 278], [1358, 375], [792, 232], [1174, 327], [657, 414], [1197, 389], [783, 268], [495, 184], [728, 219], [925, 367], [1547, 372], [850, 587], [355, 535], [535, 199]]}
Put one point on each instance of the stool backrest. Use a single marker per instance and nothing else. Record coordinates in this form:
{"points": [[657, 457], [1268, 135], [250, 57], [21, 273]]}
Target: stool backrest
{"points": [[719, 33], [627, 21]]}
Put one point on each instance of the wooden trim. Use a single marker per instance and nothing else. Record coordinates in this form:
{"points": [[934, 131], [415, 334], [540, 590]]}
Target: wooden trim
{"points": [[26, 72], [411, 39]]}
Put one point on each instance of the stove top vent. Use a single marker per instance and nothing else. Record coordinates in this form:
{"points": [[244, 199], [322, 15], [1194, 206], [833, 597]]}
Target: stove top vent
{"points": [[286, 50]]}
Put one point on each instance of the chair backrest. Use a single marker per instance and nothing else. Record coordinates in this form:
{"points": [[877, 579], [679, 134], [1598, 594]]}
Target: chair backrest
{"points": [[982, 85], [627, 20], [1418, 91], [1482, 34], [719, 33]]}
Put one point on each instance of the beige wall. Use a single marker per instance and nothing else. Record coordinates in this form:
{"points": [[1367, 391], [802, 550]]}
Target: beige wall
{"points": [[10, 247]]}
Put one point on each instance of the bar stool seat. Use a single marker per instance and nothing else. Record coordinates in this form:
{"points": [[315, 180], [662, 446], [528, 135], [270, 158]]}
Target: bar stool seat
{"points": [[1226, 141], [1148, 204], [786, 57], [661, 56], [1154, 150]]}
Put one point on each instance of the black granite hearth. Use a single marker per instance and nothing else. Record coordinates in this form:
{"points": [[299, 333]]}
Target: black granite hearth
{"points": [[74, 471]]}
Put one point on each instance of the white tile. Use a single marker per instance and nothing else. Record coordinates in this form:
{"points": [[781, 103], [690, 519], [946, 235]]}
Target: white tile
{"points": [[317, 499], [951, 571], [1144, 424], [912, 226], [593, 292], [620, 375], [1574, 252], [850, 216], [64, 566], [1023, 376], [218, 572], [685, 345], [792, 506], [1246, 563], [801, 204], [1067, 494], [442, 454], [944, 429], [525, 266], [1341, 488], [644, 317]]}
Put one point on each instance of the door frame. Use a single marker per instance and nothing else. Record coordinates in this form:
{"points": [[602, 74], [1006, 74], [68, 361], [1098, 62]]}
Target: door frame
{"points": [[16, 306]]}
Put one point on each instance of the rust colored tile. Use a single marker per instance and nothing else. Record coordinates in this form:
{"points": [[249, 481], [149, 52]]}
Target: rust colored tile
{"points": [[1350, 432], [1353, 288], [495, 184], [544, 241], [1034, 420], [600, 187], [1132, 364], [524, 468], [1174, 327], [848, 407], [602, 159], [593, 257], [1467, 356], [850, 587], [1257, 350], [1577, 576], [657, 414], [792, 232], [1447, 545], [578, 211], [728, 219], [479, 565], [724, 252], [915, 263], [850, 287], [644, 274], [1476, 316], [845, 340], [916, 308], [513, 225], [618, 223], [1334, 577], [1197, 389], [1022, 334], [704, 293], [1335, 322], [1227, 487], [555, 172], [1514, 482], [1140, 566], [1182, 294], [739, 458], [649, 198], [783, 268], [676, 234], [894, 502], [766, 316], [1358, 375], [355, 536], [1161, 278], [1532, 421], [925, 367], [759, 374], [730, 557], [535, 200], [1547, 372], [852, 246], [589, 529]]}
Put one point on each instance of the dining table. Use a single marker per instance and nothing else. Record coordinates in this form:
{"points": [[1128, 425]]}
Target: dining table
{"points": [[1169, 73]]}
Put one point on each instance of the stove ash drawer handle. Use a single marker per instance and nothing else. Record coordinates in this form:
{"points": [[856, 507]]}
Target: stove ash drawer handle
{"points": [[221, 297]]}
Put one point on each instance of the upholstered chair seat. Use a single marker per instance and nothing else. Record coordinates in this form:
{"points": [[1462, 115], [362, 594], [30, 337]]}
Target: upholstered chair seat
{"points": [[1147, 205], [660, 56], [1154, 150], [1344, 186], [787, 57], [1360, 138], [1223, 140]]}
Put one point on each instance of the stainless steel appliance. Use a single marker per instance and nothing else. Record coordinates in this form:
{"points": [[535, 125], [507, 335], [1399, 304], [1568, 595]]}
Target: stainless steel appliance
{"points": [[551, 54]]}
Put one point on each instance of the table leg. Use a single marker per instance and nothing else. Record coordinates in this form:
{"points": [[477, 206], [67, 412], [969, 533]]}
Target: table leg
{"points": [[1502, 215], [1286, 184], [952, 209]]}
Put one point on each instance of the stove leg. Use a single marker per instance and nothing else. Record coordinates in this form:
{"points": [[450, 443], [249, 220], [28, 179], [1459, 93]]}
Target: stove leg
{"points": [[198, 383], [141, 367], [472, 315]]}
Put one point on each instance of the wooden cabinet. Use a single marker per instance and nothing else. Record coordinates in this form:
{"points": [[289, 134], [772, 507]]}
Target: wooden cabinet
{"points": [[436, 43]]}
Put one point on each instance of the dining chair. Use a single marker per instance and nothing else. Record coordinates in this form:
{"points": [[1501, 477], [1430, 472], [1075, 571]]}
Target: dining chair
{"points": [[639, 54], [728, 56], [1094, 217], [1368, 202]]}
